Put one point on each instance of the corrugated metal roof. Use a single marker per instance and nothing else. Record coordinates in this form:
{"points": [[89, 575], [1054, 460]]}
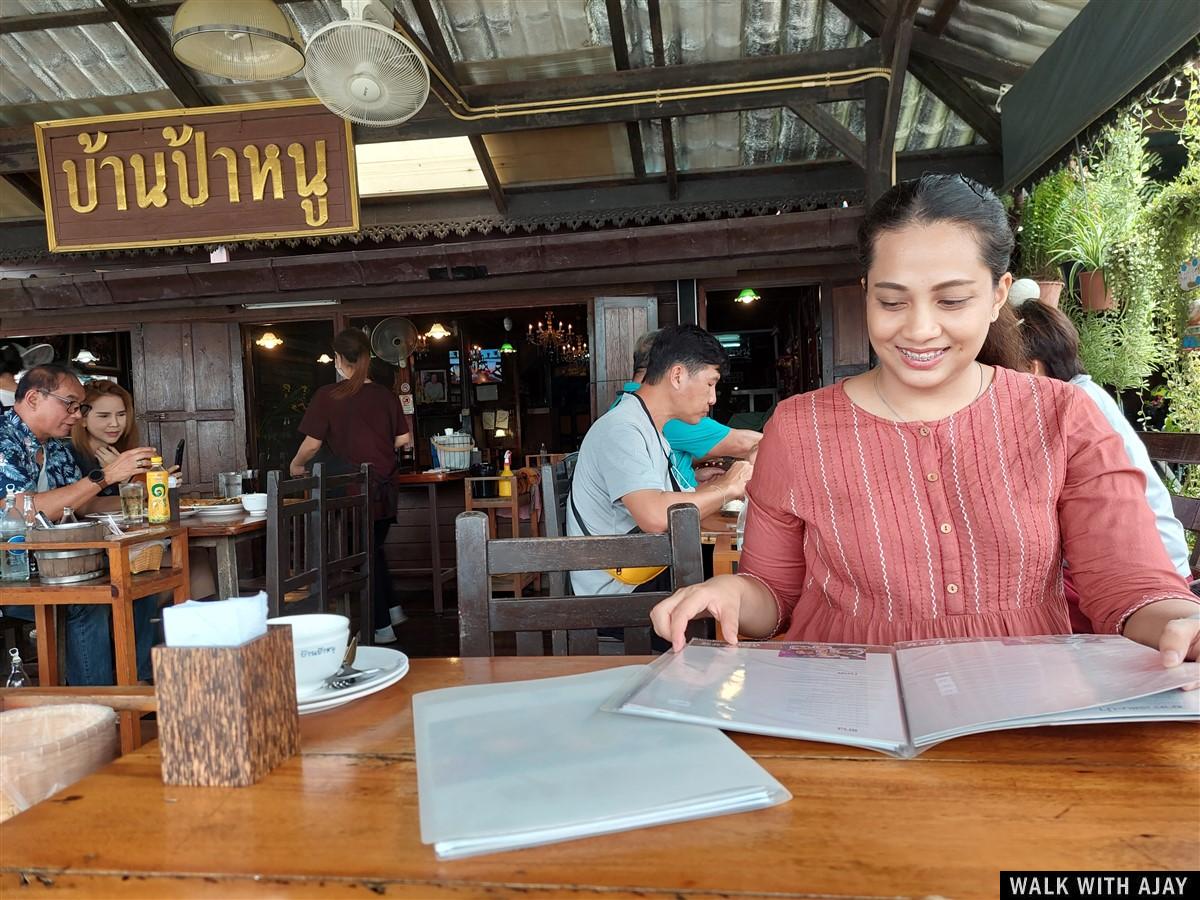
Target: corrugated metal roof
{"points": [[94, 69]]}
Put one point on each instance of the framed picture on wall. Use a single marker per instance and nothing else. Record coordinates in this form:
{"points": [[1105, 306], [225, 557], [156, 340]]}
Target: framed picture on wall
{"points": [[432, 386]]}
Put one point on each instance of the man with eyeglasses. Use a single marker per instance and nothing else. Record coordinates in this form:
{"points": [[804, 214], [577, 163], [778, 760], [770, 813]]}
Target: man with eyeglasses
{"points": [[35, 457]]}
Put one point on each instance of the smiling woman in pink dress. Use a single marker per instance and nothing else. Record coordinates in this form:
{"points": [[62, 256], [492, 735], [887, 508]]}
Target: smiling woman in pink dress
{"points": [[936, 494]]}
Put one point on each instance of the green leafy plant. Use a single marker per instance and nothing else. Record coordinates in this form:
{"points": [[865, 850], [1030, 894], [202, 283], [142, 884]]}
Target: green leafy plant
{"points": [[1042, 225]]}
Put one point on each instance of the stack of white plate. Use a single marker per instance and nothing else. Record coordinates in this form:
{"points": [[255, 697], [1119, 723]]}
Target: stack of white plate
{"points": [[393, 663]]}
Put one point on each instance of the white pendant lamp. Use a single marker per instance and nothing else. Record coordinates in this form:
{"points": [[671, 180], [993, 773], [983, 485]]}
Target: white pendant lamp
{"points": [[246, 40]]}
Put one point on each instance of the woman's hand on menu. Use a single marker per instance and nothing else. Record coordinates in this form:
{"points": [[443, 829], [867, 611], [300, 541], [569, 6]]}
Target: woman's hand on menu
{"points": [[740, 605], [1172, 626]]}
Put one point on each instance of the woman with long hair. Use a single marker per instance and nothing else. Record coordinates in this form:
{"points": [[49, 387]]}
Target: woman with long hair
{"points": [[361, 422], [107, 431], [935, 495]]}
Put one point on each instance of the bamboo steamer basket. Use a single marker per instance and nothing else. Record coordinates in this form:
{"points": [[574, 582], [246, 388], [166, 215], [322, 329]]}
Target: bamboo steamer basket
{"points": [[69, 566], [46, 748]]}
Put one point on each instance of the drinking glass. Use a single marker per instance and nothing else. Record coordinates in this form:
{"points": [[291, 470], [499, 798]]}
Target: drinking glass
{"points": [[133, 501]]}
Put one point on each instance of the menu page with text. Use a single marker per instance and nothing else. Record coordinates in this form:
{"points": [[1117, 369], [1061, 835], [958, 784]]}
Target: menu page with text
{"points": [[842, 693], [953, 687]]}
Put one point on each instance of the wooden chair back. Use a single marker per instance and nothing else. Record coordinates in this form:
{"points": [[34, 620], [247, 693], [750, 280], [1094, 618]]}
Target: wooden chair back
{"points": [[1179, 449], [571, 621], [295, 546], [555, 486], [349, 559]]}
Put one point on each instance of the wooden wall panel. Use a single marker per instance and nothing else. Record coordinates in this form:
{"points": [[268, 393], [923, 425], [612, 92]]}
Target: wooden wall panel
{"points": [[851, 348], [618, 323], [188, 384]]}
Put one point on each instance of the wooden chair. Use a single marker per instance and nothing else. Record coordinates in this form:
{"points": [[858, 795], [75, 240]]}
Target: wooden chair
{"points": [[510, 511], [572, 621], [295, 544], [537, 460], [1179, 449], [348, 553], [555, 486]]}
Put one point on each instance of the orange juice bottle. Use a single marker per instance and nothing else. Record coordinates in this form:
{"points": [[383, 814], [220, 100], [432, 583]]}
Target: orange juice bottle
{"points": [[158, 502], [506, 476]]}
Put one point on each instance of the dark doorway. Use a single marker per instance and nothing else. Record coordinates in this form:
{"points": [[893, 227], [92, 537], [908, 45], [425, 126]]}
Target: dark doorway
{"points": [[774, 347]]}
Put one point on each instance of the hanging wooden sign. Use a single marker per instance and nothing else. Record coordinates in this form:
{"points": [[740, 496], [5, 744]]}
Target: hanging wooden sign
{"points": [[197, 176]]}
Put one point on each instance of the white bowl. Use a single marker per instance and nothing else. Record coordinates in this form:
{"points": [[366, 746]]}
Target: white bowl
{"points": [[318, 644], [255, 504]]}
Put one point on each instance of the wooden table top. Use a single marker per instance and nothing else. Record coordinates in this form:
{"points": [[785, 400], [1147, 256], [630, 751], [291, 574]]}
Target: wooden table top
{"points": [[226, 526], [429, 477], [342, 817]]}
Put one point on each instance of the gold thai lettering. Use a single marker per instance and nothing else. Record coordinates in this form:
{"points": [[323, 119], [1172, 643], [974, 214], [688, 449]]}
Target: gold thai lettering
{"points": [[317, 186], [179, 158], [304, 186], [90, 145], [231, 170], [261, 169], [157, 195], [322, 214], [118, 167], [73, 184]]}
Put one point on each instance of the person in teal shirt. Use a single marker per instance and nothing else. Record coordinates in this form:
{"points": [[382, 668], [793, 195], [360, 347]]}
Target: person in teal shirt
{"points": [[692, 442]]}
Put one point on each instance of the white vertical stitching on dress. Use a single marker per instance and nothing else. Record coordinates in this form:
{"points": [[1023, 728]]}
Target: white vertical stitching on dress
{"points": [[829, 497], [1008, 489], [962, 506], [912, 480], [862, 460], [1050, 505]]}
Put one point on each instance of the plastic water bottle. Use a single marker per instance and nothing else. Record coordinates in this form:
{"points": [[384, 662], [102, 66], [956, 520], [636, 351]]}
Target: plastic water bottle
{"points": [[17, 677], [741, 524], [29, 514], [14, 562]]}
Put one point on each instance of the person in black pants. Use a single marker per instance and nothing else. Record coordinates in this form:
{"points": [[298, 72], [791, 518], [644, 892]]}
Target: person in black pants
{"points": [[360, 421]]}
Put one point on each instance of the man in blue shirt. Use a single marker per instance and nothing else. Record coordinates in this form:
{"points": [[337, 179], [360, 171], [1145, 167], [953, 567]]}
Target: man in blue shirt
{"points": [[707, 438], [36, 458]]}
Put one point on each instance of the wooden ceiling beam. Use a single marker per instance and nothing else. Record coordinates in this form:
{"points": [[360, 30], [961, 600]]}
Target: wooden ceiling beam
{"points": [[937, 25], [620, 45], [668, 132], [897, 39], [949, 88], [75, 18], [160, 58], [45, 21], [28, 186], [441, 56], [18, 150], [824, 124]]}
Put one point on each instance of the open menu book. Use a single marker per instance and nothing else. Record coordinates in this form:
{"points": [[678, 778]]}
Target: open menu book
{"points": [[902, 699], [502, 766]]}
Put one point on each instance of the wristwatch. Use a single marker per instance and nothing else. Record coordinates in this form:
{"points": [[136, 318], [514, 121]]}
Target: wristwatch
{"points": [[96, 476]]}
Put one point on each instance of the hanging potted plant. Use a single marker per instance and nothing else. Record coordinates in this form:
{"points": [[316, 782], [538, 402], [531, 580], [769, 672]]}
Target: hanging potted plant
{"points": [[1041, 233], [1085, 242]]}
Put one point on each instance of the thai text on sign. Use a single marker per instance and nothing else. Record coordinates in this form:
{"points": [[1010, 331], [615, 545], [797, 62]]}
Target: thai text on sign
{"points": [[197, 176]]}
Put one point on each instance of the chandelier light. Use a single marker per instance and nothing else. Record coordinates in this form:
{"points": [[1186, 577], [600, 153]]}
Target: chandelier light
{"points": [[437, 332], [748, 295], [246, 40], [548, 337], [269, 341], [85, 357], [324, 359]]}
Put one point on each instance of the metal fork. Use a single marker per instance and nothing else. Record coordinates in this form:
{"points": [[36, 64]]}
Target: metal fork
{"points": [[347, 674]]}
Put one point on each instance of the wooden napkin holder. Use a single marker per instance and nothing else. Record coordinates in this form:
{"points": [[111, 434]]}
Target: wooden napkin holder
{"points": [[227, 715]]}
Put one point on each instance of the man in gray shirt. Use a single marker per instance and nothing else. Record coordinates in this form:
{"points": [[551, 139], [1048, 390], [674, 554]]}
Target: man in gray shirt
{"points": [[623, 479]]}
